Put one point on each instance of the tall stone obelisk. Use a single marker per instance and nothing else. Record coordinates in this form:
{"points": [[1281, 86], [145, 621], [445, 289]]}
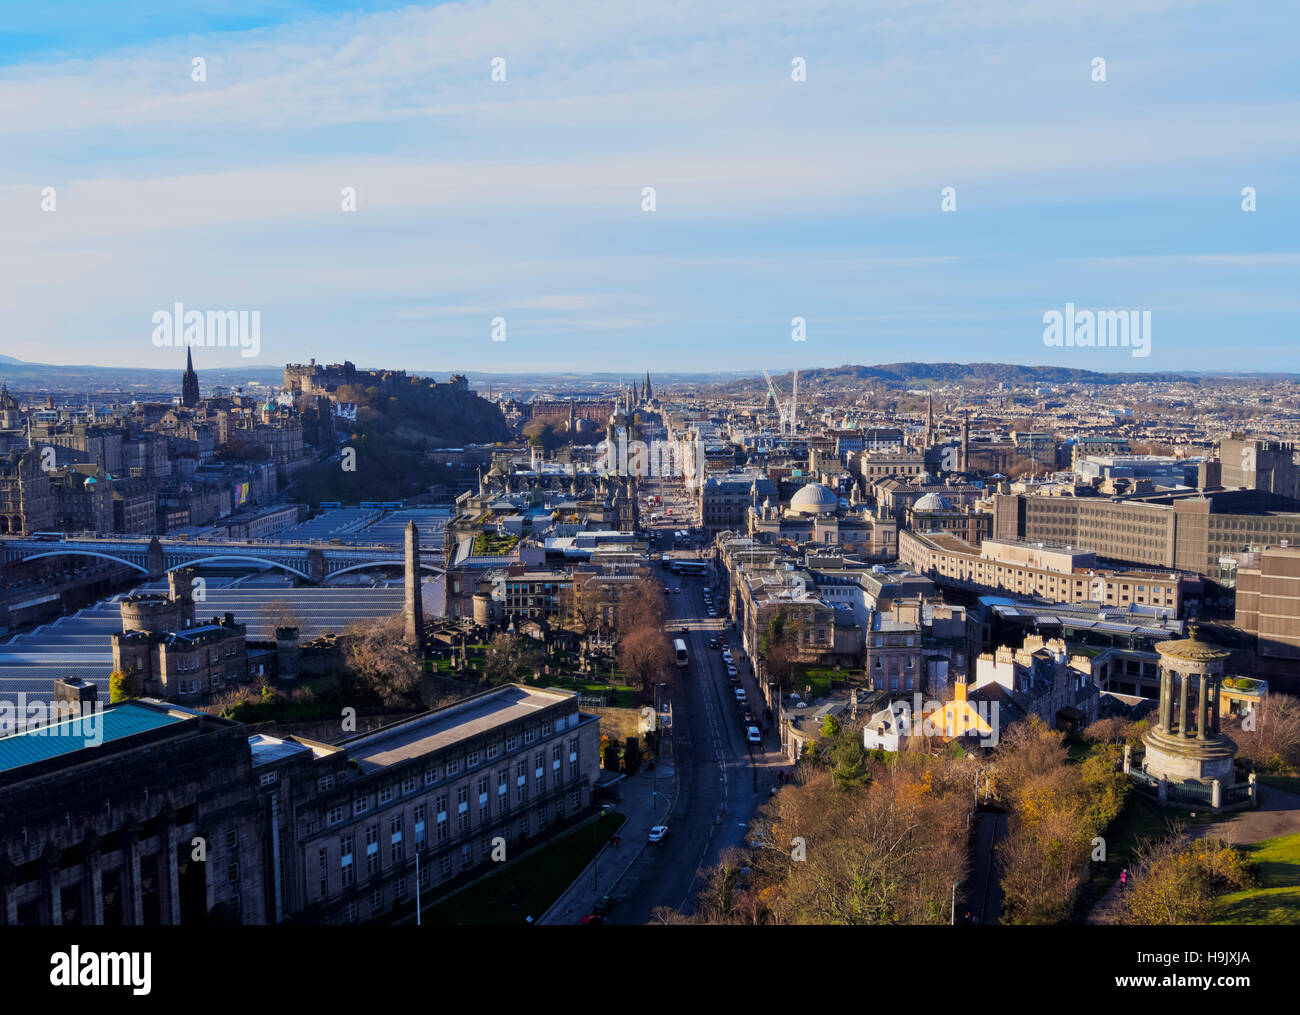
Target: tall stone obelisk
{"points": [[413, 609]]}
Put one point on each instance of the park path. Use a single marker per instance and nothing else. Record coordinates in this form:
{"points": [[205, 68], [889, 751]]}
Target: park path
{"points": [[1278, 814]]}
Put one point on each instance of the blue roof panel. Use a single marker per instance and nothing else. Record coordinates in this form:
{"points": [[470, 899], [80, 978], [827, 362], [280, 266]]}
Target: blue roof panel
{"points": [[112, 723]]}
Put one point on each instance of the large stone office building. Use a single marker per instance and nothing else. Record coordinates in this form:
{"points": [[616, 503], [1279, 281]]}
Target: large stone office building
{"points": [[104, 829]]}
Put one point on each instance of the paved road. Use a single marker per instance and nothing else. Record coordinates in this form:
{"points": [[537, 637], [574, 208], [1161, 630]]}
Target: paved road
{"points": [[719, 781]]}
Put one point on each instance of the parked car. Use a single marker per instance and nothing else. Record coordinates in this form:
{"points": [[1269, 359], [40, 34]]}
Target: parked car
{"points": [[740, 695], [658, 833]]}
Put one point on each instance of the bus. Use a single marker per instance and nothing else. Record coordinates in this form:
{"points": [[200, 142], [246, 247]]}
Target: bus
{"points": [[680, 647], [689, 568]]}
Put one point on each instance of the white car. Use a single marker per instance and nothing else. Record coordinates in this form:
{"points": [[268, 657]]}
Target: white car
{"points": [[740, 694], [658, 833], [753, 735]]}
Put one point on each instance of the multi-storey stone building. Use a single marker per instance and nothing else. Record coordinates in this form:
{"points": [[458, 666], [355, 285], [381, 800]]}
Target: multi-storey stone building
{"points": [[454, 787], [162, 815], [1059, 573], [109, 832]]}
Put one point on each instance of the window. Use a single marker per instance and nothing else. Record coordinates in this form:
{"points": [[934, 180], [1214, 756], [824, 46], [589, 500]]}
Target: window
{"points": [[421, 839], [473, 760], [350, 914], [521, 781], [493, 750], [530, 736], [395, 838], [512, 742], [377, 901], [361, 805], [334, 816], [546, 729], [386, 795], [408, 785], [372, 851], [324, 861], [268, 778], [326, 782], [431, 776], [444, 865], [345, 861], [441, 808], [453, 768]]}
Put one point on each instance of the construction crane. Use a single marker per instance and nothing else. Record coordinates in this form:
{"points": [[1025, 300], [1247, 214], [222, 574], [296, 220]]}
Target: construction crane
{"points": [[780, 409], [788, 414]]}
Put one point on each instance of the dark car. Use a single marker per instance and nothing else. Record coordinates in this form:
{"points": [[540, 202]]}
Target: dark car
{"points": [[603, 907]]}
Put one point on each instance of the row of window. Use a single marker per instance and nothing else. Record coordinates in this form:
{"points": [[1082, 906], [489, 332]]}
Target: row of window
{"points": [[443, 865], [338, 814]]}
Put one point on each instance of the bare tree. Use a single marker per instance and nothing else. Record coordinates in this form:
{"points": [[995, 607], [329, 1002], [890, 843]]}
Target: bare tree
{"points": [[1271, 736], [377, 656]]}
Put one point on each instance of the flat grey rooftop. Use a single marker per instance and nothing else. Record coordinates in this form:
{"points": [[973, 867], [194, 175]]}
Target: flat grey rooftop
{"points": [[447, 726]]}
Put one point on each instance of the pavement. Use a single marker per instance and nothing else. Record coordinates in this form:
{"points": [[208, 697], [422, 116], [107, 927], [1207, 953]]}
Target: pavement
{"points": [[604, 874]]}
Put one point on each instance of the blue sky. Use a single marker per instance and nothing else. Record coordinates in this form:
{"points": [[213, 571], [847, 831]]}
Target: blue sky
{"points": [[775, 199]]}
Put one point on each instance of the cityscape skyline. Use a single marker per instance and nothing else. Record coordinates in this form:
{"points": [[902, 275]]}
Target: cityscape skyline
{"points": [[775, 198], [501, 463]]}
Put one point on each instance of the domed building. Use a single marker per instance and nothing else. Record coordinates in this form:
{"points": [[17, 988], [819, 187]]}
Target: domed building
{"points": [[814, 499], [932, 502], [817, 515]]}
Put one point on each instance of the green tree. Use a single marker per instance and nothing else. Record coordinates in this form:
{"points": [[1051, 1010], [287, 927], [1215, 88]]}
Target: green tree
{"points": [[122, 687]]}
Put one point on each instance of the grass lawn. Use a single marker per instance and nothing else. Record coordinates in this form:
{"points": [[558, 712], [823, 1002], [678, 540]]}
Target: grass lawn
{"points": [[529, 886], [619, 696], [1277, 899], [820, 678], [1140, 819]]}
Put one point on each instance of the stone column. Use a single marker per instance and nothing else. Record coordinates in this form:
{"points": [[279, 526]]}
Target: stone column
{"points": [[413, 603], [1128, 759], [132, 900], [1184, 727], [93, 878], [173, 873], [1216, 794], [1166, 701], [50, 885], [1202, 708]]}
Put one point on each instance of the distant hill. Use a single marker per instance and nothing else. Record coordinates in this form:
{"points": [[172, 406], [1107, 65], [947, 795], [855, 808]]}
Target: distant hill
{"points": [[47, 377], [929, 374]]}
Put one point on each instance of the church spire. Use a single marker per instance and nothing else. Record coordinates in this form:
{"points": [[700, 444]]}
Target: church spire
{"points": [[190, 382]]}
